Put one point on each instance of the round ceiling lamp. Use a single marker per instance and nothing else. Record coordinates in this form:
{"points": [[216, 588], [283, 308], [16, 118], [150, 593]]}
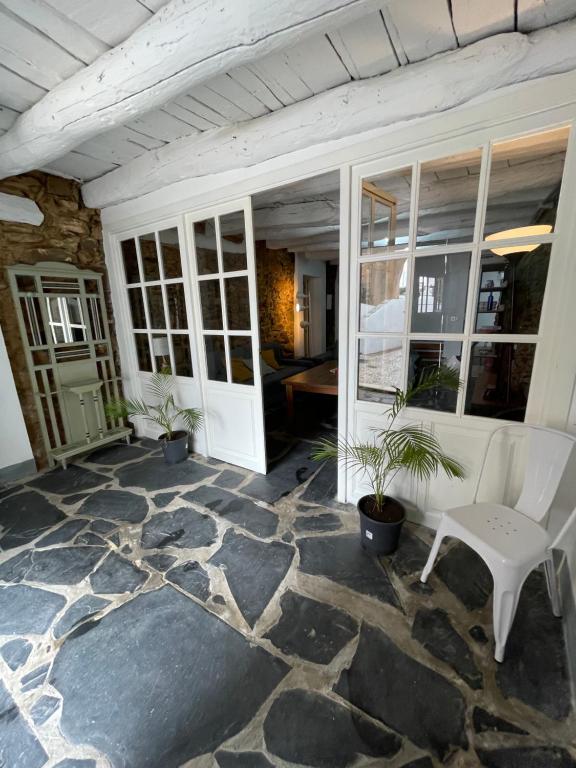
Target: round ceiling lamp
{"points": [[507, 234]]}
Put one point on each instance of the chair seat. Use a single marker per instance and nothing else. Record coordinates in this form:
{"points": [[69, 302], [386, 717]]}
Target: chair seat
{"points": [[500, 531]]}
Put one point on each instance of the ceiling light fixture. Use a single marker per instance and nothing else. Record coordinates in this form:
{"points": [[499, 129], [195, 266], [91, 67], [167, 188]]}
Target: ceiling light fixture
{"points": [[530, 231]]}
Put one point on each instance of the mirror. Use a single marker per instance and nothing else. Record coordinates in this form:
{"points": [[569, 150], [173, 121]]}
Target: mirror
{"points": [[66, 319]]}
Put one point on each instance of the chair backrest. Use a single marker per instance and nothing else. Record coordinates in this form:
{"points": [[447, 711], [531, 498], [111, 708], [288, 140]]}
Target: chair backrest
{"points": [[562, 541], [546, 459]]}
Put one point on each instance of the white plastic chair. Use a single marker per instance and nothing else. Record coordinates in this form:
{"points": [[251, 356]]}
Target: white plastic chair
{"points": [[514, 541]]}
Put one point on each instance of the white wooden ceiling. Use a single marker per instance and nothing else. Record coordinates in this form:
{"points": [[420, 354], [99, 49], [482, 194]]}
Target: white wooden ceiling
{"points": [[43, 42]]}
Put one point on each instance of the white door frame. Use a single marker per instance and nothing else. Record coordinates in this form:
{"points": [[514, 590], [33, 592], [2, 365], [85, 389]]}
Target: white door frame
{"points": [[250, 450]]}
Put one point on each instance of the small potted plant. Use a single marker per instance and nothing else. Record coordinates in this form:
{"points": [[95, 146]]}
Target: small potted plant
{"points": [[411, 448], [165, 414]]}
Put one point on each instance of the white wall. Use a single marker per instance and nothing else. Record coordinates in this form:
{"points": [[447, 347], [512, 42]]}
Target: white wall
{"points": [[316, 269], [14, 445]]}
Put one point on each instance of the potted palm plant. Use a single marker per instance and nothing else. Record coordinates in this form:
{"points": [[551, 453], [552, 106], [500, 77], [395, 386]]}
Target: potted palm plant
{"points": [[165, 413], [410, 448]]}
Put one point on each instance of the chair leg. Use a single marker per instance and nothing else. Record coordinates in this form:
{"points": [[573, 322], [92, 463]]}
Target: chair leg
{"points": [[433, 554], [552, 583], [506, 594]]}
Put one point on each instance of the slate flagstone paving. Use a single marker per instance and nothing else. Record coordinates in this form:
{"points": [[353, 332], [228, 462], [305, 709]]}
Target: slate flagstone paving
{"points": [[201, 616]]}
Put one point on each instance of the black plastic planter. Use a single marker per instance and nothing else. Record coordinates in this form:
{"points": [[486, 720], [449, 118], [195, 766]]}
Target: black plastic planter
{"points": [[175, 450], [377, 536]]}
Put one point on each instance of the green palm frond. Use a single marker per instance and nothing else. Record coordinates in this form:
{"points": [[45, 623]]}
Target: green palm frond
{"points": [[161, 385], [438, 377], [192, 418], [419, 452]]}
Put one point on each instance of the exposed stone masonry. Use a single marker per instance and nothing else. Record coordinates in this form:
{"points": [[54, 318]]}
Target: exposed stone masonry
{"points": [[275, 279], [70, 232]]}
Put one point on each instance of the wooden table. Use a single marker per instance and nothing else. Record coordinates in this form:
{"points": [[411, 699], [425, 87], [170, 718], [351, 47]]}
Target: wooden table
{"points": [[322, 379]]}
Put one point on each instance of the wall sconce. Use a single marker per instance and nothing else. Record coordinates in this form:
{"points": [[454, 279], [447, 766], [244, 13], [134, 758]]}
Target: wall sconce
{"points": [[301, 302]]}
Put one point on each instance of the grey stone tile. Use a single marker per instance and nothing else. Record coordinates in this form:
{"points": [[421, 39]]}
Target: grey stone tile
{"points": [[484, 721], [323, 488], [102, 526], [90, 539], [34, 678], [154, 474], [478, 634], [307, 728], [117, 575], [117, 453], [243, 512], [466, 576], [228, 479], [75, 498], [19, 748], [327, 521], [342, 559], [268, 489], [62, 534], [27, 610], [78, 611], [160, 562], [163, 499], [16, 652], [44, 708], [192, 578], [115, 505], [26, 516], [411, 555], [434, 630], [253, 570], [535, 667], [183, 528], [382, 680], [67, 481], [71, 762], [526, 757], [64, 565], [311, 630], [160, 653], [242, 760]]}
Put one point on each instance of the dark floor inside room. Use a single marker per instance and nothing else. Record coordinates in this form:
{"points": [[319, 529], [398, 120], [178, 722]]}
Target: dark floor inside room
{"points": [[200, 615]]}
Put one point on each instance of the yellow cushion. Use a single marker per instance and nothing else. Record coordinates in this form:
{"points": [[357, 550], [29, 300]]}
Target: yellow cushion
{"points": [[270, 359], [240, 371]]}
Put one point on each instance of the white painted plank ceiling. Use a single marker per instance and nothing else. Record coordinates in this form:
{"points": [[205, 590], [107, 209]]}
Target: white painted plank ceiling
{"points": [[43, 42]]}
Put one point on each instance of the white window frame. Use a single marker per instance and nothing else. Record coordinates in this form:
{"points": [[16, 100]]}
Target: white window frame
{"points": [[475, 247]]}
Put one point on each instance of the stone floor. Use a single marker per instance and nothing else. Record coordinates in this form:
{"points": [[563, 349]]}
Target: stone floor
{"points": [[200, 615]]}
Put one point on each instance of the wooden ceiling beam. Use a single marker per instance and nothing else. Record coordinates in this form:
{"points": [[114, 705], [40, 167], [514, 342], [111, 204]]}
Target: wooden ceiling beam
{"points": [[184, 44], [426, 88]]}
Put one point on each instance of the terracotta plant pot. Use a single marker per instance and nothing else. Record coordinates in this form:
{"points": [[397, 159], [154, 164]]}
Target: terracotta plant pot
{"points": [[380, 529], [176, 449]]}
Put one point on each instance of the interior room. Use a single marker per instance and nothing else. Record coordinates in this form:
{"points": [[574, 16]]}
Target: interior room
{"points": [[288, 384]]}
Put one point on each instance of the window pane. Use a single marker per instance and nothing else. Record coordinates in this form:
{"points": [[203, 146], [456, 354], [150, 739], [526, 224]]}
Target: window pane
{"points": [[499, 380], [439, 293], [161, 351], [237, 303], [447, 199], [182, 356], [233, 233], [156, 306], [383, 295], [241, 359], [205, 241], [143, 352], [215, 358], [386, 211], [130, 261], [170, 253], [511, 289], [149, 257], [137, 307], [525, 178], [380, 369], [211, 305], [425, 358], [176, 306]]}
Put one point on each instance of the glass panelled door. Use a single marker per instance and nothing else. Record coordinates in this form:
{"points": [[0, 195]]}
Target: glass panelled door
{"points": [[225, 280]]}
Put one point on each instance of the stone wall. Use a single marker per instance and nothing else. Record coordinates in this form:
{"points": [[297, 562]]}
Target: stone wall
{"points": [[70, 232], [275, 276]]}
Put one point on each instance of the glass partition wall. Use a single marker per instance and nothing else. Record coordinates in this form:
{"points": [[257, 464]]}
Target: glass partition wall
{"points": [[453, 263]]}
